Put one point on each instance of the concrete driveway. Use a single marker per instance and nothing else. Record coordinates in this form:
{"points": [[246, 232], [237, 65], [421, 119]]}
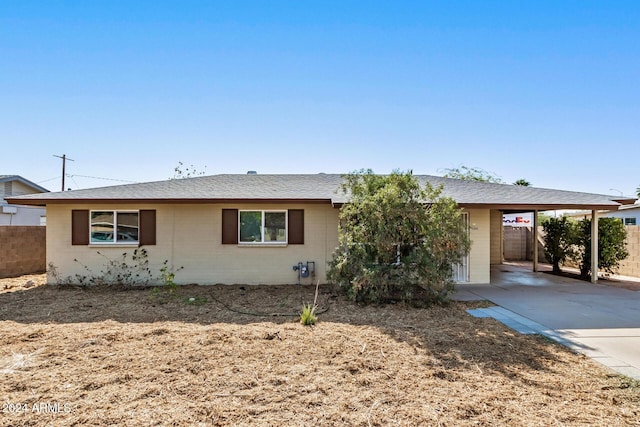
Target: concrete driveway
{"points": [[602, 322]]}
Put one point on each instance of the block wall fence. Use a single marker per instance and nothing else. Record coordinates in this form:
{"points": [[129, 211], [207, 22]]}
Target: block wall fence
{"points": [[631, 265], [22, 250]]}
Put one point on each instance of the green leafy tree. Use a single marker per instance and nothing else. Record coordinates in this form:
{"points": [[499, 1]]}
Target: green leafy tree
{"points": [[559, 240], [638, 192], [543, 217], [522, 182], [396, 237], [472, 174], [611, 245]]}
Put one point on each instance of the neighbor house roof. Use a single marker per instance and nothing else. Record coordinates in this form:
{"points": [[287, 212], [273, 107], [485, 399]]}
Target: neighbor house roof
{"points": [[625, 208], [318, 188], [635, 206], [10, 178]]}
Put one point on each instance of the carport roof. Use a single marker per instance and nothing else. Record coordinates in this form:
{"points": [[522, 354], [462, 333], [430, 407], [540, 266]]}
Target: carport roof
{"points": [[317, 188]]}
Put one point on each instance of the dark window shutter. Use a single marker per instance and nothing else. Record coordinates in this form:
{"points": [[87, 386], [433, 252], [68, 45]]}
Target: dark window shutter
{"points": [[147, 227], [79, 227], [296, 227], [229, 226]]}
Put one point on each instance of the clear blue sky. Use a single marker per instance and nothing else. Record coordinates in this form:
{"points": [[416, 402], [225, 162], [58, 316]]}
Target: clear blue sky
{"points": [[548, 91]]}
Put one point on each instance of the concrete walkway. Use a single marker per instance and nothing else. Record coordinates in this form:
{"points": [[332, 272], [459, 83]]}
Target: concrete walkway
{"points": [[601, 322]]}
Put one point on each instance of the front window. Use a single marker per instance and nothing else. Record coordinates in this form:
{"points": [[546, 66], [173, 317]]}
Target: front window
{"points": [[114, 227], [263, 227], [630, 221]]}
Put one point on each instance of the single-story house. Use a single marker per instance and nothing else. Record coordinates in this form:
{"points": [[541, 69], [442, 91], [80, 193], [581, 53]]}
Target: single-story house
{"points": [[629, 214], [253, 228], [15, 214]]}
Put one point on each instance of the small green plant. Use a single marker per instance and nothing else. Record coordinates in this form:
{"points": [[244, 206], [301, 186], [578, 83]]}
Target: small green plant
{"points": [[168, 276], [121, 271], [167, 286], [128, 270], [308, 315]]}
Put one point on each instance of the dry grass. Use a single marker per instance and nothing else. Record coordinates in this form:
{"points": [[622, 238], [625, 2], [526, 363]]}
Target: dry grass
{"points": [[117, 357]]}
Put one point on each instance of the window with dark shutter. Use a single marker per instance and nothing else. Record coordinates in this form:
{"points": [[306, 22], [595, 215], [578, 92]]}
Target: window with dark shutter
{"points": [[229, 226], [147, 227], [296, 227], [79, 227]]}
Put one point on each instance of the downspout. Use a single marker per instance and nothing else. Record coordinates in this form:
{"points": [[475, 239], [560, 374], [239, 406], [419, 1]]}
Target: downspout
{"points": [[594, 246]]}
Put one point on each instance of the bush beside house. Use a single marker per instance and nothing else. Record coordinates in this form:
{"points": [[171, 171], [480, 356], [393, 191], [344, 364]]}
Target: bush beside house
{"points": [[568, 242]]}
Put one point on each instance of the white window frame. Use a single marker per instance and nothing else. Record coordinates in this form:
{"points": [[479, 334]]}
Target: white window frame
{"points": [[115, 228], [262, 227]]}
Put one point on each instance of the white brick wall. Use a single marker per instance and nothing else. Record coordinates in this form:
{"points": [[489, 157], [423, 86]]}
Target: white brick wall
{"points": [[190, 235]]}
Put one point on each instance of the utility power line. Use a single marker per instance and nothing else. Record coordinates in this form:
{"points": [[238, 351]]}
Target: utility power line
{"points": [[65, 175], [47, 180], [98, 177]]}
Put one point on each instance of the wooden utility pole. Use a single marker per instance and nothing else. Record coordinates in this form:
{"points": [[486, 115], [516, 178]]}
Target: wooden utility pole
{"points": [[64, 164]]}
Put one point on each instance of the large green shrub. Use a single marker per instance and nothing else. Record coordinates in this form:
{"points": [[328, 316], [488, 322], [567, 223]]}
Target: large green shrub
{"points": [[611, 245], [396, 236], [560, 236]]}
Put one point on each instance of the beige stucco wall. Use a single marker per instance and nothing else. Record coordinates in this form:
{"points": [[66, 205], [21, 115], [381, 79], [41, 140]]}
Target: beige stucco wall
{"points": [[496, 237], [479, 256], [190, 236]]}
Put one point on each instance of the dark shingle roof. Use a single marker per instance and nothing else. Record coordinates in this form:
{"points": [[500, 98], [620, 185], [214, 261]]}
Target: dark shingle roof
{"points": [[316, 188]]}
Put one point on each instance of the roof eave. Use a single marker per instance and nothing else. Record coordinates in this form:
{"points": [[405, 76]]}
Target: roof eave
{"points": [[539, 207], [70, 201], [625, 201]]}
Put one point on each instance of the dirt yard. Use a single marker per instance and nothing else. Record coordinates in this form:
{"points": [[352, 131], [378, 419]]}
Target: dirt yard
{"points": [[218, 356]]}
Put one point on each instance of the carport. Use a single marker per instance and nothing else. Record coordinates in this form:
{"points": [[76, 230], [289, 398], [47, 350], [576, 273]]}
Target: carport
{"points": [[554, 202]]}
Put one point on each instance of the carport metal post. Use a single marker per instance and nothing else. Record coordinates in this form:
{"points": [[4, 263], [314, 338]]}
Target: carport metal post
{"points": [[594, 246], [535, 240]]}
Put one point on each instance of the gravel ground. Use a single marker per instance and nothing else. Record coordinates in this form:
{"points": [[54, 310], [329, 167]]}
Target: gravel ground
{"points": [[235, 355]]}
